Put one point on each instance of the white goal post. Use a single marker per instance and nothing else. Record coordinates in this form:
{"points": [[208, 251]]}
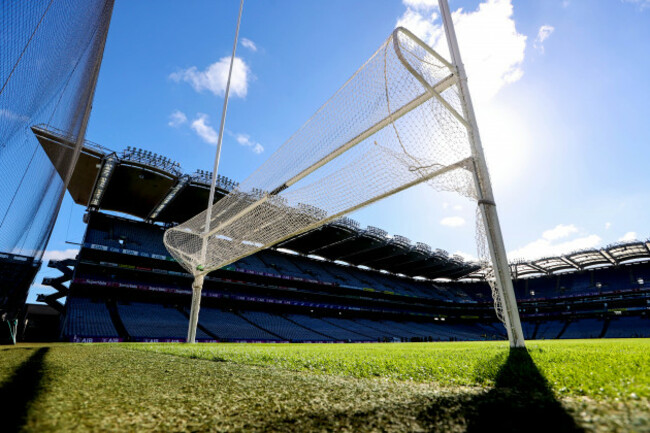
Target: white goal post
{"points": [[402, 119]]}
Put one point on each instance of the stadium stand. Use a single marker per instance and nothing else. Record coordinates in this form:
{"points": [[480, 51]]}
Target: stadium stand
{"points": [[339, 282], [129, 254], [326, 328], [155, 322], [87, 318], [629, 327], [584, 328], [373, 332], [283, 328], [227, 326], [550, 329], [529, 329]]}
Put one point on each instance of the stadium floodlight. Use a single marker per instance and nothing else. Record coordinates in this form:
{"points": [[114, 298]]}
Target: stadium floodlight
{"points": [[108, 166], [404, 118]]}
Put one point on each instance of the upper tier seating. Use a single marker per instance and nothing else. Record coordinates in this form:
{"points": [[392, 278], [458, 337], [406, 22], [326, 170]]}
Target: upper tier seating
{"points": [[127, 235], [117, 233]]}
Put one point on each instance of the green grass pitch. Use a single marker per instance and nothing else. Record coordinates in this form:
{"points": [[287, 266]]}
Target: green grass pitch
{"points": [[553, 386]]}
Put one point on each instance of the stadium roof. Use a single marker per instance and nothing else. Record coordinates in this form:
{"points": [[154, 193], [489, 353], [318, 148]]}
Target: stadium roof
{"points": [[611, 255], [153, 188], [344, 240], [134, 181]]}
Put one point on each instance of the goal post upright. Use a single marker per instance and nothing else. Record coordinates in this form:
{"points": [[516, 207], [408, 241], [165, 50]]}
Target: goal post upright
{"points": [[199, 277], [486, 201]]}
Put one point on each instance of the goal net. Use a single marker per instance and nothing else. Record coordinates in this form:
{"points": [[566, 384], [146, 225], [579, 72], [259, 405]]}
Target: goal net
{"points": [[394, 124]]}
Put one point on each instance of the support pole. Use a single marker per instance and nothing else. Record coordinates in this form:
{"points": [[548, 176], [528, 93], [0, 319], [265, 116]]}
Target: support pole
{"points": [[485, 196], [197, 286]]}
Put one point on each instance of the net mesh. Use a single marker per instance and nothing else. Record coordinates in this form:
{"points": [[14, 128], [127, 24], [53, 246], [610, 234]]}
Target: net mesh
{"points": [[392, 125], [49, 53], [486, 264]]}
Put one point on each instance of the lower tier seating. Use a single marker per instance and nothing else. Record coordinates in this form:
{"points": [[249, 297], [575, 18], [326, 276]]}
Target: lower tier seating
{"points": [[628, 327], [228, 325], [86, 318], [155, 321], [144, 321]]}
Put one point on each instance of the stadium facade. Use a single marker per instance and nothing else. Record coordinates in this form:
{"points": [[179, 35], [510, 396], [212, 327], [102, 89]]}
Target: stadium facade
{"points": [[334, 284]]}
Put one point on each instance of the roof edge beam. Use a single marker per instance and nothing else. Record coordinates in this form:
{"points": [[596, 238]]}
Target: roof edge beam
{"points": [[609, 257], [181, 184], [108, 165], [570, 262]]}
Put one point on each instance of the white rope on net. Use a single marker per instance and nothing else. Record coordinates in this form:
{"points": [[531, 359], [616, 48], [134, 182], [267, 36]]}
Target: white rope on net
{"points": [[392, 125]]}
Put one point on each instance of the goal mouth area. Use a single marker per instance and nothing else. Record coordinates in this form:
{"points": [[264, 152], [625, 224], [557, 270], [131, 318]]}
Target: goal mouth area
{"points": [[394, 124]]}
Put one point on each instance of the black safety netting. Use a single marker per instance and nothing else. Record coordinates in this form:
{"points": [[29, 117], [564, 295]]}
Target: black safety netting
{"points": [[50, 52]]}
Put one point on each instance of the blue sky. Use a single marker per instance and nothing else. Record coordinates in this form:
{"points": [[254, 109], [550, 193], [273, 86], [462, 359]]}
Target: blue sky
{"points": [[560, 89]]}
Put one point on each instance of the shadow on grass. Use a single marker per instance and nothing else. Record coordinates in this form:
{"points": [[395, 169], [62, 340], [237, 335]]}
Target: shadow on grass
{"points": [[18, 393], [520, 401]]}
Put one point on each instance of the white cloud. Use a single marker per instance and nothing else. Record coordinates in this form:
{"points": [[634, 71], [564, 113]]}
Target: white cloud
{"points": [[245, 140], [544, 32], [492, 49], [458, 207], [176, 119], [559, 231], [628, 237], [608, 225], [466, 256], [455, 221], [60, 254], [421, 4], [201, 125], [445, 205], [546, 248], [215, 77], [547, 245], [493, 53], [423, 26], [203, 130], [643, 4], [247, 43], [10, 115]]}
